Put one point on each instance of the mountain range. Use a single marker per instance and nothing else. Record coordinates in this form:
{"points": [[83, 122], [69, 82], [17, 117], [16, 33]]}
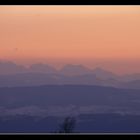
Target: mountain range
{"points": [[12, 75]]}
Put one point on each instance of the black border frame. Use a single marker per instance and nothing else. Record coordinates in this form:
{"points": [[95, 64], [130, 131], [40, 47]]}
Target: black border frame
{"points": [[70, 2]]}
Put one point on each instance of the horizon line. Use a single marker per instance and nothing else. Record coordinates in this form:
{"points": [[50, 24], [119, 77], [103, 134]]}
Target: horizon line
{"points": [[63, 65]]}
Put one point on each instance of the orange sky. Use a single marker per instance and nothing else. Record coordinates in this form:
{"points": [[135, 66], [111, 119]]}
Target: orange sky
{"points": [[107, 36]]}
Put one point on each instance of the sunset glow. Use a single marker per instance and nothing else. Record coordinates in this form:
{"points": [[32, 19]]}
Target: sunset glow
{"points": [[106, 36]]}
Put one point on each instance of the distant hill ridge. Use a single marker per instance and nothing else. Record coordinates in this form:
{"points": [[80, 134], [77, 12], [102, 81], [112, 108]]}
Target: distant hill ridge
{"points": [[12, 74]]}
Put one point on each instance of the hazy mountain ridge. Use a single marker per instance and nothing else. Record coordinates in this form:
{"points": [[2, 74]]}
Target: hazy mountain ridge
{"points": [[12, 75]]}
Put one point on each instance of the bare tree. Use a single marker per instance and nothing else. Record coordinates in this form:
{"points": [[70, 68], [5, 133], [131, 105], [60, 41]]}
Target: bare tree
{"points": [[68, 125]]}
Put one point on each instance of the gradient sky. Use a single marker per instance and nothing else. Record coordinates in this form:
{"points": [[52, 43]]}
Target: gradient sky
{"points": [[106, 36]]}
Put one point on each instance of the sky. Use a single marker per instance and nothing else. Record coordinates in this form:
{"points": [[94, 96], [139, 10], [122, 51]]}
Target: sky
{"points": [[95, 36]]}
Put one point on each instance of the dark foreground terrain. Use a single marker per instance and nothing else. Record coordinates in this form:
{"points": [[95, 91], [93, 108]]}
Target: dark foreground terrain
{"points": [[96, 109], [97, 123]]}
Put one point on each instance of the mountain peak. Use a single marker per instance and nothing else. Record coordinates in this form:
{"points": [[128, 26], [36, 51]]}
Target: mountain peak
{"points": [[8, 67], [99, 69], [102, 73], [71, 69], [41, 67], [75, 66]]}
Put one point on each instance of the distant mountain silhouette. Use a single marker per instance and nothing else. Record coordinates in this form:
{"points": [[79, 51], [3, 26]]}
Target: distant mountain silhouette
{"points": [[28, 79], [42, 68], [11, 68], [37, 96], [72, 70], [104, 74], [12, 75], [135, 84], [130, 77], [87, 79]]}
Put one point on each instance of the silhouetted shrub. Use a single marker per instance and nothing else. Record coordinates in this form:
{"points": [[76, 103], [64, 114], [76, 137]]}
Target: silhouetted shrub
{"points": [[68, 125]]}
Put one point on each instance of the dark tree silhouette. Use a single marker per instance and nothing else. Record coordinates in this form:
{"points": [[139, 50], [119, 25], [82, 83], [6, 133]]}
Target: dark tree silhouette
{"points": [[68, 125]]}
